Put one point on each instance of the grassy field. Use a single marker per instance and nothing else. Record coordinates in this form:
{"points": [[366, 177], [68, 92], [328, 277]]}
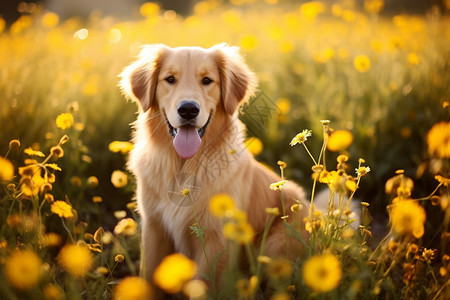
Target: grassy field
{"points": [[68, 228]]}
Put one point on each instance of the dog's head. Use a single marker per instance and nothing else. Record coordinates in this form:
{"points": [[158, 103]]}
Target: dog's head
{"points": [[188, 86]]}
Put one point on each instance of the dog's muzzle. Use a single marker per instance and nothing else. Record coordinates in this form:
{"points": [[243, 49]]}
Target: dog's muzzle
{"points": [[187, 138]]}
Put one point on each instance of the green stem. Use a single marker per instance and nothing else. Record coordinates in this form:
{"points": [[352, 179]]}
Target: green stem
{"points": [[127, 256], [312, 195], [202, 241], [68, 231], [284, 220], [250, 258], [431, 195], [310, 155], [441, 289], [269, 222], [324, 145]]}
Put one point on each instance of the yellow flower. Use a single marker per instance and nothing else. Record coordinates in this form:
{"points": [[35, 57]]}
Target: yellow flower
{"points": [[52, 240], [428, 254], [173, 272], [322, 273], [408, 217], [64, 139], [413, 59], [149, 9], [133, 288], [443, 180], [400, 184], [438, 140], [195, 289], [186, 192], [282, 164], [277, 186], [62, 209], [120, 214], [342, 158], [361, 171], [64, 121], [301, 137], [264, 259], [54, 167], [102, 271], [373, 6], [119, 258], [362, 63], [76, 259], [75, 181], [272, 211], [310, 10], [6, 170], [97, 199], [393, 246], [14, 144], [30, 151], [57, 151], [50, 20], [119, 179], [283, 105], [119, 146], [324, 55], [241, 232], [247, 287], [296, 207], [92, 182], [220, 204], [126, 227], [351, 184], [53, 292], [98, 234], [23, 269], [249, 42], [339, 140], [254, 145], [280, 269]]}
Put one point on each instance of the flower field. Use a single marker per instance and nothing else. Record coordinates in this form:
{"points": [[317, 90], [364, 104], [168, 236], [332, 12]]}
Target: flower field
{"points": [[359, 104]]}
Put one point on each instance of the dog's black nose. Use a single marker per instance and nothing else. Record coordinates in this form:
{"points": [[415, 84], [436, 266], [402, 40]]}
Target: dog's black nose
{"points": [[188, 110]]}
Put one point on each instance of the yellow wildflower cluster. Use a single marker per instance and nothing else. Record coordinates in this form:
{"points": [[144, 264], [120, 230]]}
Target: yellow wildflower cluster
{"points": [[133, 288], [322, 273], [76, 259], [173, 272], [236, 226], [438, 140], [23, 269]]}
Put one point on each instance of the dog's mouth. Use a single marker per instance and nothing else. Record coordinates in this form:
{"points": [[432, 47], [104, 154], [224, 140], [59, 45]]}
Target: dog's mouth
{"points": [[187, 139]]}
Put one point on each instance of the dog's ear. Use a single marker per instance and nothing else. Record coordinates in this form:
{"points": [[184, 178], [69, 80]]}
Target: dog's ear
{"points": [[238, 82], [138, 80]]}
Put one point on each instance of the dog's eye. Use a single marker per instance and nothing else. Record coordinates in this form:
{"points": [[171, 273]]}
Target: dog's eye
{"points": [[170, 79], [206, 80]]}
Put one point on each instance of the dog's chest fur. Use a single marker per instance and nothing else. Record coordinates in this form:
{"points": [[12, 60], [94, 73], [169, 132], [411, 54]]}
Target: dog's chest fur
{"points": [[213, 170]]}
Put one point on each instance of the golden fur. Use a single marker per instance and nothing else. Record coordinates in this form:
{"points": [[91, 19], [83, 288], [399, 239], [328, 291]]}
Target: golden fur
{"points": [[221, 165]]}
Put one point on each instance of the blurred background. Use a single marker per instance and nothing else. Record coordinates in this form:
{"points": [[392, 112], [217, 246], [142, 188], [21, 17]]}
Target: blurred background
{"points": [[379, 70], [127, 8]]}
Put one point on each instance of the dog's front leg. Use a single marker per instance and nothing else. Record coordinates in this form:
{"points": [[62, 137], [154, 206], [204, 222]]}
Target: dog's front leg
{"points": [[155, 246]]}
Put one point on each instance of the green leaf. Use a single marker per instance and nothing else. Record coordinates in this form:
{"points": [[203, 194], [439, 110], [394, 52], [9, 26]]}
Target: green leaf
{"points": [[293, 233]]}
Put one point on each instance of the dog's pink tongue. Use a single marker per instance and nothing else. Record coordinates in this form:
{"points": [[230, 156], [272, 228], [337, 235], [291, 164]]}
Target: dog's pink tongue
{"points": [[187, 142]]}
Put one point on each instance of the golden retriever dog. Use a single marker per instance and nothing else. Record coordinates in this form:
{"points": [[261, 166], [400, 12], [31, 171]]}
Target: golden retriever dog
{"points": [[188, 135]]}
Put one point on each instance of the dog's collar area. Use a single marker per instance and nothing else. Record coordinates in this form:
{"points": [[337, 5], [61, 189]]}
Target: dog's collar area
{"points": [[173, 131]]}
